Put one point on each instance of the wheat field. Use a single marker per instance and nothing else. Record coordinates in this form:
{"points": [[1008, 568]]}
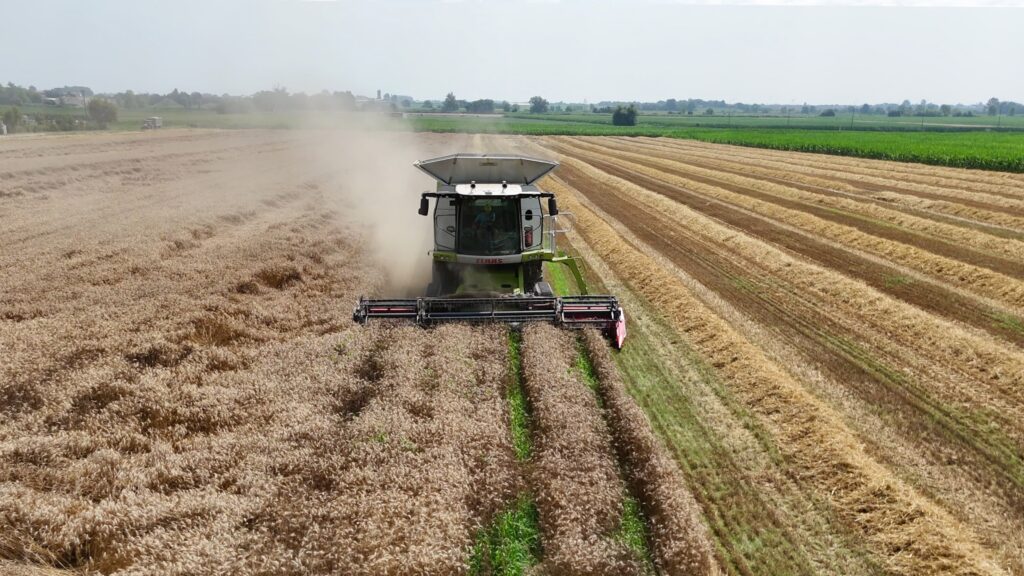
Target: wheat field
{"points": [[823, 375], [183, 389]]}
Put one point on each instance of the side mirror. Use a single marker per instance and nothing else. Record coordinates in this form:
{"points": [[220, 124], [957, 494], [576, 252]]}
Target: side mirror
{"points": [[424, 206], [552, 206], [529, 215]]}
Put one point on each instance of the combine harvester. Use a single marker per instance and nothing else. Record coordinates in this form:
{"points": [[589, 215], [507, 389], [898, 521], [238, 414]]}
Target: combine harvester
{"points": [[491, 240]]}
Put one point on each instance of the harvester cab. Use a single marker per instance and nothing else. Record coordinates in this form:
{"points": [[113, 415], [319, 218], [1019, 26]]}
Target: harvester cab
{"points": [[492, 236]]}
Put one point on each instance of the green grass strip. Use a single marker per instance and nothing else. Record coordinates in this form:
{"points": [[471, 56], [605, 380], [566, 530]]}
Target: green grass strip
{"points": [[512, 544], [556, 275], [519, 415], [633, 533], [1006, 321]]}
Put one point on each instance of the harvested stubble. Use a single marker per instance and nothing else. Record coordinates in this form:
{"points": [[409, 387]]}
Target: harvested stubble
{"points": [[573, 472], [965, 353], [902, 208], [892, 184], [907, 345], [904, 530], [977, 280], [680, 539], [1004, 184]]}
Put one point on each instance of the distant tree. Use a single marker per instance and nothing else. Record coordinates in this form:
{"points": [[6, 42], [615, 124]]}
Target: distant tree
{"points": [[480, 106], [993, 106], [538, 105], [184, 99], [428, 105], [895, 112], [297, 101], [505, 106], [515, 108], [346, 100], [828, 112], [805, 109], [945, 109], [671, 104], [406, 103], [1012, 111], [709, 112], [865, 108], [131, 100], [102, 112], [450, 103], [195, 99], [270, 101], [624, 116], [12, 118]]}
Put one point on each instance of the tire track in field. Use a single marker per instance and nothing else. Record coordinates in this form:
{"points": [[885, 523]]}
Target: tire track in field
{"points": [[937, 239]]}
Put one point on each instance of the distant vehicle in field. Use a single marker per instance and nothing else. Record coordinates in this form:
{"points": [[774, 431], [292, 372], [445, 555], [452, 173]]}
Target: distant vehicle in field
{"points": [[152, 123]]}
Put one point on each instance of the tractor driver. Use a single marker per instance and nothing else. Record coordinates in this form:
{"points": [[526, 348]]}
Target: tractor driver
{"points": [[484, 218], [483, 222]]}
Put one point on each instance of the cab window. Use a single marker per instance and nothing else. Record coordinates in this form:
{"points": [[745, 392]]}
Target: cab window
{"points": [[488, 226]]}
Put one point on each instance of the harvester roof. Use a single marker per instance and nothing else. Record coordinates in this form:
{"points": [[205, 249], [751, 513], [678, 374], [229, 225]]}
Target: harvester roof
{"points": [[456, 169]]}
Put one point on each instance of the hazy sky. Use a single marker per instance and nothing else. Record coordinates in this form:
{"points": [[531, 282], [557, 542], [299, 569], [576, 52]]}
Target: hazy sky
{"points": [[571, 50]]}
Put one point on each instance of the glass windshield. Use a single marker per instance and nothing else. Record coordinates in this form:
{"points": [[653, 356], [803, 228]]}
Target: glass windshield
{"points": [[488, 226]]}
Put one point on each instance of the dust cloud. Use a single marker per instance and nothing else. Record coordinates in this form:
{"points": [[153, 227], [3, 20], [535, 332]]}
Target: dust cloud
{"points": [[375, 187]]}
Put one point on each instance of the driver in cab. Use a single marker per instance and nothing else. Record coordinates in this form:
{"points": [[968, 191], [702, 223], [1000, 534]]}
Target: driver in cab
{"points": [[484, 222]]}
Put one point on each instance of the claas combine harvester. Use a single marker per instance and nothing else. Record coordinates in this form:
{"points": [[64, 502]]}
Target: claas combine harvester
{"points": [[491, 239]]}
